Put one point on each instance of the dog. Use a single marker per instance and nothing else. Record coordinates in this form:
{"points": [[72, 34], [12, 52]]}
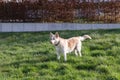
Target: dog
{"points": [[67, 45]]}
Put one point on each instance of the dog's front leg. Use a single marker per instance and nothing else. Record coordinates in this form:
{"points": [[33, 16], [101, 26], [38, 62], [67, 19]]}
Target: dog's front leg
{"points": [[58, 55], [65, 56]]}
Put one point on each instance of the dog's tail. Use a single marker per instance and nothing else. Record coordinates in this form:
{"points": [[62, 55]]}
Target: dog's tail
{"points": [[82, 38]]}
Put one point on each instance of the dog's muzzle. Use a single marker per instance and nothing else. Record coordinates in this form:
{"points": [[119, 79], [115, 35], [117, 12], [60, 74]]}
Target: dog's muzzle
{"points": [[51, 42]]}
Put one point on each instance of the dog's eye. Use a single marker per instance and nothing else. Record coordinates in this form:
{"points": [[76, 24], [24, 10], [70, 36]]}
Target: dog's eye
{"points": [[53, 38]]}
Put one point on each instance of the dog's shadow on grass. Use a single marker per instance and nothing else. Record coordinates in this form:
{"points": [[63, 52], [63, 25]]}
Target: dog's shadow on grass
{"points": [[37, 58]]}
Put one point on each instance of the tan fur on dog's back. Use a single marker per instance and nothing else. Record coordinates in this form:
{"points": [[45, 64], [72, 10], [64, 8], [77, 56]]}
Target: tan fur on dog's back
{"points": [[72, 42]]}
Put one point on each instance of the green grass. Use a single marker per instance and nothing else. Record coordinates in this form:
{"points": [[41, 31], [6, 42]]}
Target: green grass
{"points": [[30, 56]]}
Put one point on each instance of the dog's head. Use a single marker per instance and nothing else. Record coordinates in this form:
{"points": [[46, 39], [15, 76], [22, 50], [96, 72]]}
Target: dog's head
{"points": [[54, 38]]}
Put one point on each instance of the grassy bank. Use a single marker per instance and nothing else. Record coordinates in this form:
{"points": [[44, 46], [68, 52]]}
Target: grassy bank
{"points": [[30, 56]]}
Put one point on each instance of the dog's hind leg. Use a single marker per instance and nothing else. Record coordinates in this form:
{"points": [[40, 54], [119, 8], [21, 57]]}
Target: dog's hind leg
{"points": [[76, 52], [79, 51], [78, 48]]}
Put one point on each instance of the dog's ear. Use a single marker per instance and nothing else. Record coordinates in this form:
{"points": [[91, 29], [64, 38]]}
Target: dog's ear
{"points": [[51, 34], [56, 34]]}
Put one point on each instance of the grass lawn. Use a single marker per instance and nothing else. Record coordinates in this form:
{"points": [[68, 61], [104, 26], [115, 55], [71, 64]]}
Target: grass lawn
{"points": [[30, 56]]}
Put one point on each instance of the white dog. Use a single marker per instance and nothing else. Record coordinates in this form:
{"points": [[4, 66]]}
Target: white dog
{"points": [[67, 45]]}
